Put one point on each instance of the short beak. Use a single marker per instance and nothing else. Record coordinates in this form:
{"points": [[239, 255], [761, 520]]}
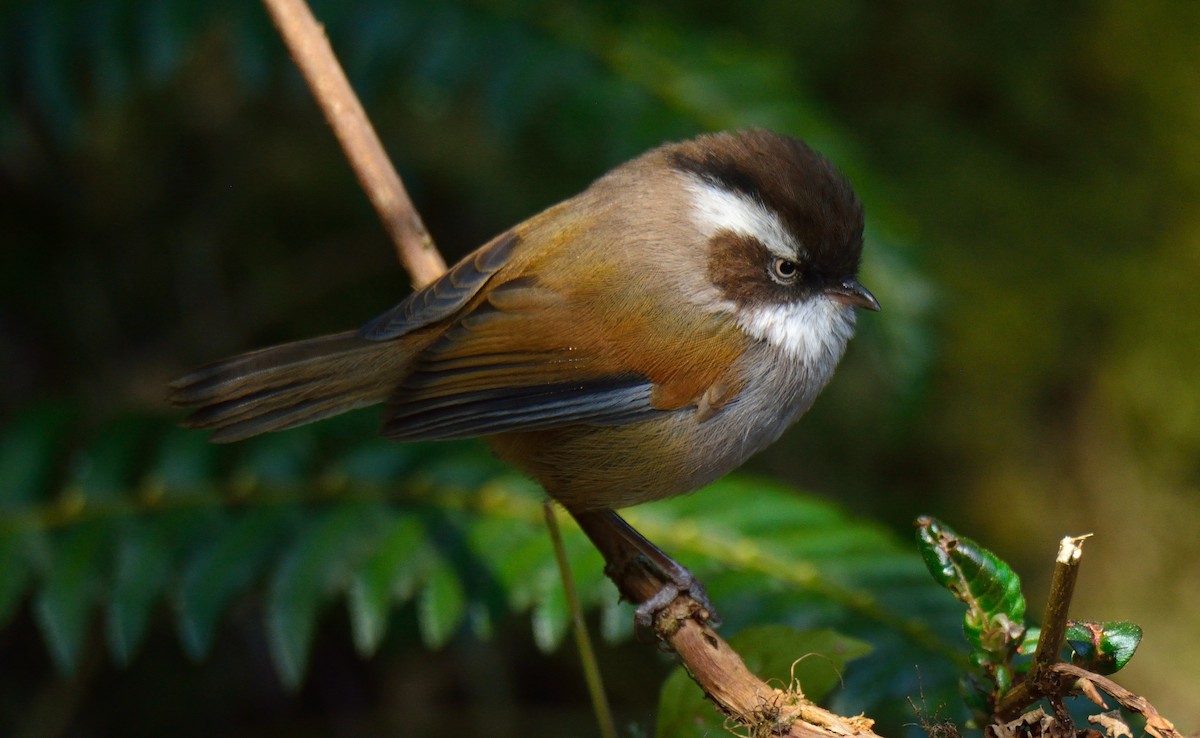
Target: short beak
{"points": [[850, 292]]}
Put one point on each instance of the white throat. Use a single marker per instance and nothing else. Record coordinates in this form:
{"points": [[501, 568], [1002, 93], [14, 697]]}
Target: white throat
{"points": [[814, 331]]}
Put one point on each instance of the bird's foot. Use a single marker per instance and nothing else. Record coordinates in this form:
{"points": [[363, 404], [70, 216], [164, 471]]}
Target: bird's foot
{"points": [[643, 572], [675, 583]]}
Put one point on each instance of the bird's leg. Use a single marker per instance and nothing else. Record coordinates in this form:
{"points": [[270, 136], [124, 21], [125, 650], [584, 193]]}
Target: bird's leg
{"points": [[643, 572]]}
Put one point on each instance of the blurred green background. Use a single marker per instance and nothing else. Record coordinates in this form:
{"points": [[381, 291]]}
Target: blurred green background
{"points": [[169, 194]]}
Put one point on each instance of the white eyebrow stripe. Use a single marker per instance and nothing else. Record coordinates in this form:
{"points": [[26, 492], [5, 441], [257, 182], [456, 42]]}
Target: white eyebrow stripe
{"points": [[719, 209]]}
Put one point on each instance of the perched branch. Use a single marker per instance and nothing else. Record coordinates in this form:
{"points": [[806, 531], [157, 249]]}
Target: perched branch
{"points": [[737, 692], [310, 49], [683, 626]]}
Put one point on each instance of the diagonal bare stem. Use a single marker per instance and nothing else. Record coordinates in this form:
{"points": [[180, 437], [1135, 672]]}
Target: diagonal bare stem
{"points": [[1041, 680], [310, 49]]}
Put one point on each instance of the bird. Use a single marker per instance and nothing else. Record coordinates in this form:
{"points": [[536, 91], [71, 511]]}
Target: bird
{"points": [[632, 343]]}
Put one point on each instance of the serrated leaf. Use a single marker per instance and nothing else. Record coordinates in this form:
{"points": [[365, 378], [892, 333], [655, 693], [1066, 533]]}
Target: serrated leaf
{"points": [[223, 569], [74, 583], [781, 656], [317, 565], [441, 606], [1028, 644]]}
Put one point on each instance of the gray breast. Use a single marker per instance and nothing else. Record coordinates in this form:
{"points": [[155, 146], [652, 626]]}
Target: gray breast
{"points": [[779, 390]]}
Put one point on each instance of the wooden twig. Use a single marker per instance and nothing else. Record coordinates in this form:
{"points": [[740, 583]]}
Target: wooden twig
{"points": [[1156, 724], [683, 627], [737, 692], [1052, 678], [310, 49], [1042, 680]]}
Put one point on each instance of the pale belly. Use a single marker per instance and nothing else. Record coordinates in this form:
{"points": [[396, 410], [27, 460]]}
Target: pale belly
{"points": [[589, 468]]}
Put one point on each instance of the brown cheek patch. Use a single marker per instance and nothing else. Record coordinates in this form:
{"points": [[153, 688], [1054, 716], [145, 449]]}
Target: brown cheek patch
{"points": [[736, 266]]}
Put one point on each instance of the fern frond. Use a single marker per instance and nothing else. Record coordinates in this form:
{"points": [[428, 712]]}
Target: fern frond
{"points": [[139, 515]]}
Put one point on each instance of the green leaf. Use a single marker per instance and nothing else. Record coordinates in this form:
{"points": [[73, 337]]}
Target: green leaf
{"points": [[185, 464], [22, 553], [31, 445], [109, 466], [821, 568], [377, 461], [520, 557], [995, 620], [276, 460], [73, 585], [224, 569], [616, 619], [1104, 648], [317, 566], [48, 53], [551, 618], [317, 511], [389, 575], [142, 567], [480, 618], [441, 605], [1029, 641], [811, 661]]}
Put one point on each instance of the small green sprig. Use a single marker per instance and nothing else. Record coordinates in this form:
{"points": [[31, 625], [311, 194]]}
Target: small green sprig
{"points": [[994, 625]]}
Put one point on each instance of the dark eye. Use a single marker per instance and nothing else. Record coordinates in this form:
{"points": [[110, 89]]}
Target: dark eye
{"points": [[784, 271]]}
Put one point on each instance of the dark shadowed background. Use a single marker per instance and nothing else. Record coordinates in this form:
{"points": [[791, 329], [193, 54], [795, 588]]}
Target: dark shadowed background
{"points": [[170, 194]]}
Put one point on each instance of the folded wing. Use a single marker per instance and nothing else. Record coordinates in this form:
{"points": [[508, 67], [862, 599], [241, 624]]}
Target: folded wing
{"points": [[523, 359]]}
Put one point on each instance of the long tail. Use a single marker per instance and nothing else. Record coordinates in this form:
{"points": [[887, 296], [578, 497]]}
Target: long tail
{"points": [[291, 384]]}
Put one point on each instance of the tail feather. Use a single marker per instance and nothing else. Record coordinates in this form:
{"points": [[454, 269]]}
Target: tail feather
{"points": [[289, 385]]}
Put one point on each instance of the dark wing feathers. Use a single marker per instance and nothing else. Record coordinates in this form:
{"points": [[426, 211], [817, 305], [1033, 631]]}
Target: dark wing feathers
{"points": [[510, 365], [289, 385], [446, 295], [482, 412]]}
